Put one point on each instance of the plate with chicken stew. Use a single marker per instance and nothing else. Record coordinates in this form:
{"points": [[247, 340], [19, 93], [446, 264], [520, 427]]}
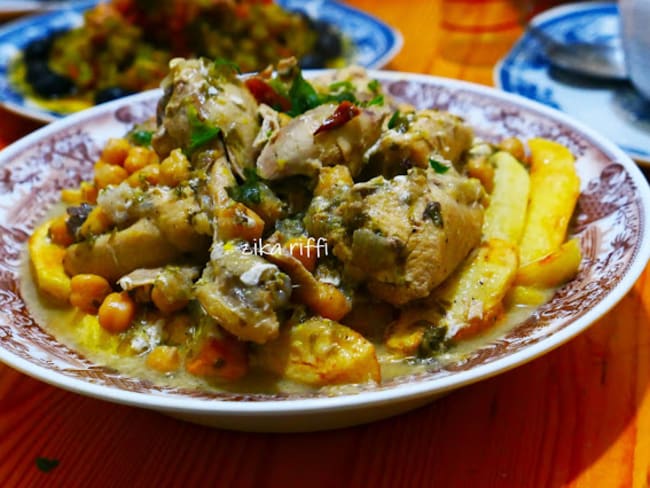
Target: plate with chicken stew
{"points": [[303, 250]]}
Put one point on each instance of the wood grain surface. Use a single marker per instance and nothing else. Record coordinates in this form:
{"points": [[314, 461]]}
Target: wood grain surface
{"points": [[577, 417]]}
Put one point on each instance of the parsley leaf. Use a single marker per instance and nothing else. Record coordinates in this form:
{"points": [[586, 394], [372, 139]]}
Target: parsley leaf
{"points": [[225, 63], [399, 122], [142, 137], [373, 86], [438, 167], [303, 96], [201, 132], [249, 192], [45, 464]]}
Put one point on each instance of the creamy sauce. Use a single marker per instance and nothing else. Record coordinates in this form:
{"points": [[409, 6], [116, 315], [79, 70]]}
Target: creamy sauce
{"points": [[82, 333]]}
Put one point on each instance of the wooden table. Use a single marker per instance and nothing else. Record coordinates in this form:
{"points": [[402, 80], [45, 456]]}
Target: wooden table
{"points": [[579, 416]]}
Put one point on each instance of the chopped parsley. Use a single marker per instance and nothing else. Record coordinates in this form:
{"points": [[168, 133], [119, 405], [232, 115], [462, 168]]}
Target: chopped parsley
{"points": [[438, 167], [398, 122], [201, 133], [303, 96], [220, 63], [142, 137], [374, 86], [249, 192], [434, 340], [46, 464]]}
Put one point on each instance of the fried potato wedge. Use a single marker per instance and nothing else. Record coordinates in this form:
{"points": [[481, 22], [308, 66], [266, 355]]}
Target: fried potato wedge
{"points": [[47, 263], [473, 296], [554, 269], [505, 216], [321, 352], [554, 191]]}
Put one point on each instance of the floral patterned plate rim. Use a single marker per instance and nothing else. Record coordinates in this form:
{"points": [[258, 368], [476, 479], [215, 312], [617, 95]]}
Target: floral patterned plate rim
{"points": [[374, 43], [611, 222]]}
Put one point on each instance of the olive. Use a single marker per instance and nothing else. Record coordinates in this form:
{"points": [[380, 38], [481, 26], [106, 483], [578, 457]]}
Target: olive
{"points": [[328, 43], [111, 93], [38, 49], [312, 61], [46, 82]]}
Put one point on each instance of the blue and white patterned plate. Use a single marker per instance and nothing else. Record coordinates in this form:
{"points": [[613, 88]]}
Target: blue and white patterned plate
{"points": [[374, 42], [612, 108]]}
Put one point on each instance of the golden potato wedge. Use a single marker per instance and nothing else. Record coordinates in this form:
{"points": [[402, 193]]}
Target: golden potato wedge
{"points": [[505, 216], [474, 294], [530, 296], [47, 263], [320, 352], [554, 269], [554, 190]]}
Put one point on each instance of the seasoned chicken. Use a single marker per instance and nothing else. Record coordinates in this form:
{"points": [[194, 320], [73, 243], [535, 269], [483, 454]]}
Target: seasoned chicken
{"points": [[297, 149], [243, 293], [402, 236], [413, 138], [204, 103], [113, 255]]}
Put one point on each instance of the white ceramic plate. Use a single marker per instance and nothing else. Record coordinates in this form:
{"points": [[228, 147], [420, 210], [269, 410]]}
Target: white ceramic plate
{"points": [[374, 42], [614, 109], [611, 222]]}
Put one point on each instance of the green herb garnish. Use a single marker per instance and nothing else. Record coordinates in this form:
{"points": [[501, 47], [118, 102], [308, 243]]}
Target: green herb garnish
{"points": [[303, 96], [46, 464], [373, 86], [438, 167], [220, 63], [201, 132], [249, 192], [399, 122], [142, 137], [378, 100]]}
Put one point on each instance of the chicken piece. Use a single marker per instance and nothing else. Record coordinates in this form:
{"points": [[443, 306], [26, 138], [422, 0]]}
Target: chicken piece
{"points": [[402, 236], [179, 217], [295, 150], [113, 255], [204, 103], [243, 293], [413, 138]]}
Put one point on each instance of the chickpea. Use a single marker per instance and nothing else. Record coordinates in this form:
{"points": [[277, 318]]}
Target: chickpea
{"points": [[139, 157], [59, 233], [164, 359], [88, 292], [108, 174], [115, 151], [116, 312]]}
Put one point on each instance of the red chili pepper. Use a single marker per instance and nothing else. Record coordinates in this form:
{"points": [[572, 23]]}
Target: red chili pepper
{"points": [[345, 112], [264, 93]]}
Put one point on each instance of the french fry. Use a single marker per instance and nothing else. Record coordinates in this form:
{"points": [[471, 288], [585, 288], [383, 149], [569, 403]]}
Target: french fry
{"points": [[321, 352], [505, 216], [475, 292], [554, 190], [47, 263], [553, 269]]}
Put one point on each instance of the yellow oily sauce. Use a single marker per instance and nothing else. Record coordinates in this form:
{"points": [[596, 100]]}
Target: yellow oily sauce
{"points": [[82, 333]]}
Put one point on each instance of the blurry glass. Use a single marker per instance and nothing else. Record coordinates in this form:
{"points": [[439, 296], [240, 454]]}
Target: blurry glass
{"points": [[480, 32]]}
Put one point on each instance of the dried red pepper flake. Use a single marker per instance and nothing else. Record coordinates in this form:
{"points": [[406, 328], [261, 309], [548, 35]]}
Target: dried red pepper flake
{"points": [[345, 112], [264, 93]]}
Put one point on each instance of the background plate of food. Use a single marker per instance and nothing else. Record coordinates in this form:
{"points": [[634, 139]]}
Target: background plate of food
{"points": [[455, 232], [88, 52]]}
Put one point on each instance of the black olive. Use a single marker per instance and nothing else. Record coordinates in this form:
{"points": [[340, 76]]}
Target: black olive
{"points": [[46, 82], [328, 43], [38, 49], [312, 61], [111, 93]]}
